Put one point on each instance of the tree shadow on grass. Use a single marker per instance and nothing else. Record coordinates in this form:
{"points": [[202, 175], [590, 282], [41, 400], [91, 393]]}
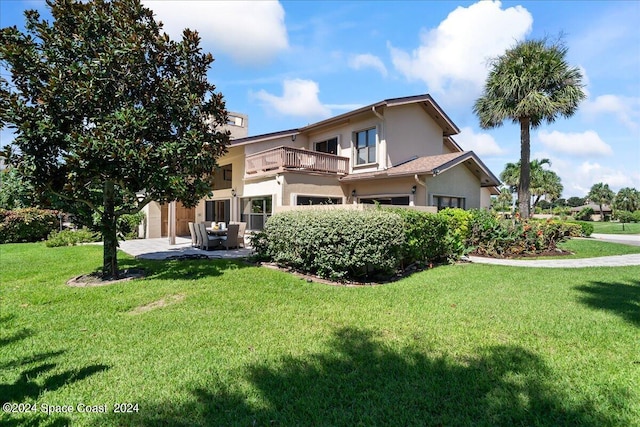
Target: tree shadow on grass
{"points": [[181, 270], [28, 386], [361, 381], [622, 299]]}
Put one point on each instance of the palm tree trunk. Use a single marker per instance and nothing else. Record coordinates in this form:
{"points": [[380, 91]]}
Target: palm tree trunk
{"points": [[524, 195]]}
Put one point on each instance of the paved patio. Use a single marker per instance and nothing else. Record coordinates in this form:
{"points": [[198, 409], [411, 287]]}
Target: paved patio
{"points": [[161, 249]]}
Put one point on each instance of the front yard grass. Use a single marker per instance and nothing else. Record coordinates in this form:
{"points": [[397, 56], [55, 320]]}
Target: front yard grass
{"points": [[615, 228], [233, 344], [590, 248]]}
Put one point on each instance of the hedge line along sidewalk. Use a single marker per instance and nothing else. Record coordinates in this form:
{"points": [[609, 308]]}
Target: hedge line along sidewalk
{"points": [[606, 261]]}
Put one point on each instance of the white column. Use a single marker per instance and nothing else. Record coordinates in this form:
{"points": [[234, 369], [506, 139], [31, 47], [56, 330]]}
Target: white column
{"points": [[172, 223]]}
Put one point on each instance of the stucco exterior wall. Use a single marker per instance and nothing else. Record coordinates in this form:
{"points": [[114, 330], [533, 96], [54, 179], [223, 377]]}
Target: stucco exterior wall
{"points": [[410, 131], [485, 198], [456, 182], [300, 142], [153, 219]]}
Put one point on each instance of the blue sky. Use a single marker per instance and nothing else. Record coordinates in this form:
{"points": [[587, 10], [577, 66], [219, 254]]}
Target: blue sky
{"points": [[290, 63]]}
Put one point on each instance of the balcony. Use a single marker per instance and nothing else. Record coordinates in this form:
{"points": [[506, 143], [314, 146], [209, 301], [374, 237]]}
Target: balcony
{"points": [[281, 159]]}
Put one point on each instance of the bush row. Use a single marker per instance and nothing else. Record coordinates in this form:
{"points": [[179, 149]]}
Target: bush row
{"points": [[27, 225], [626, 216], [491, 236], [345, 244], [71, 237]]}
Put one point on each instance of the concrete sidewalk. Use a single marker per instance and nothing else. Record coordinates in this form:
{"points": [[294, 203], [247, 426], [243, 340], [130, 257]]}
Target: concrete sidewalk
{"points": [[161, 249], [627, 239], [606, 261]]}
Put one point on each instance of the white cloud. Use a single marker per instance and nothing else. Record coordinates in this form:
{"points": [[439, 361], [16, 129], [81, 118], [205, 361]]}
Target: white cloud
{"points": [[367, 60], [482, 144], [299, 98], [251, 32], [625, 109], [577, 178], [578, 144], [452, 58]]}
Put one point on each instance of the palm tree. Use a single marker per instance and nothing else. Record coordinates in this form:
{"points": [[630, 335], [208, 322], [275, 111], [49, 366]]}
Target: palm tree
{"points": [[543, 182], [627, 199], [529, 84], [601, 194]]}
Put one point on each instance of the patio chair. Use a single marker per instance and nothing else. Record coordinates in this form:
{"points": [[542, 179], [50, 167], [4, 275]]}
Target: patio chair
{"points": [[194, 237], [241, 229], [208, 241], [231, 239], [196, 230]]}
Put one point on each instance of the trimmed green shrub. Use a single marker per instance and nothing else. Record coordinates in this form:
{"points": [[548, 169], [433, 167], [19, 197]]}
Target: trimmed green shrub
{"points": [[336, 244], [71, 237], [128, 225], [586, 228], [27, 225], [424, 236]]}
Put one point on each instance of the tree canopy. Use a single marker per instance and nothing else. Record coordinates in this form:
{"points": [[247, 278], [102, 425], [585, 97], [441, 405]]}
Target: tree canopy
{"points": [[109, 112], [544, 182], [531, 83], [601, 194]]}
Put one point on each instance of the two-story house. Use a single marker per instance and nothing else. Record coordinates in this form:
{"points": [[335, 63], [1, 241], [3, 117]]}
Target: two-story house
{"points": [[398, 151]]}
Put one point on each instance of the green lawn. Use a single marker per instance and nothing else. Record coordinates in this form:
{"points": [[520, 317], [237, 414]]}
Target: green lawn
{"points": [[589, 248], [238, 345], [615, 228]]}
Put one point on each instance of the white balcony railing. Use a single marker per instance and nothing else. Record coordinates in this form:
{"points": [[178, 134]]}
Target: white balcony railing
{"points": [[281, 159]]}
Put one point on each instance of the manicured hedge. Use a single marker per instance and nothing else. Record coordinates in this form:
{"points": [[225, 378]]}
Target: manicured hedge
{"points": [[27, 225], [336, 244], [432, 237]]}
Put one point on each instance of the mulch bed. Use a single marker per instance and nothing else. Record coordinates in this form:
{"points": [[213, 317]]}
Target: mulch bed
{"points": [[96, 279]]}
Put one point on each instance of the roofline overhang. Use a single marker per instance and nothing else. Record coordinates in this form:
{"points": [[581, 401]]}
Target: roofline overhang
{"points": [[368, 109], [493, 180]]}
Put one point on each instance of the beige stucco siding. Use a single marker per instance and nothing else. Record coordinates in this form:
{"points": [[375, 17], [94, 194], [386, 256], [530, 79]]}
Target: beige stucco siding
{"points": [[485, 198], [458, 181], [300, 142], [410, 131], [153, 219]]}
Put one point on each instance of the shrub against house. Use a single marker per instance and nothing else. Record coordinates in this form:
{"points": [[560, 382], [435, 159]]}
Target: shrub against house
{"points": [[371, 244]]}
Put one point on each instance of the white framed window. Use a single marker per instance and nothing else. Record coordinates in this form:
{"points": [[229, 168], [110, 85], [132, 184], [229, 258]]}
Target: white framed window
{"points": [[365, 144], [256, 211]]}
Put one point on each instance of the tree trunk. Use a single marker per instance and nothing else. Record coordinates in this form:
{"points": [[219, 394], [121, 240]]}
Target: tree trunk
{"points": [[524, 195], [109, 235], [601, 213]]}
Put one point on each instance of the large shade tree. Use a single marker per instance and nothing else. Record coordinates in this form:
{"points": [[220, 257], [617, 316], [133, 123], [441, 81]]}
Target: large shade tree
{"points": [[529, 84], [109, 112]]}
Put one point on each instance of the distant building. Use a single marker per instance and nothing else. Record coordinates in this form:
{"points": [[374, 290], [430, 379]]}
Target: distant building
{"points": [[238, 125]]}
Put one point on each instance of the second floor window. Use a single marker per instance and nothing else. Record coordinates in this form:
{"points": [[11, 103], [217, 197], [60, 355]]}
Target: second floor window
{"points": [[222, 177], [366, 146], [329, 146]]}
